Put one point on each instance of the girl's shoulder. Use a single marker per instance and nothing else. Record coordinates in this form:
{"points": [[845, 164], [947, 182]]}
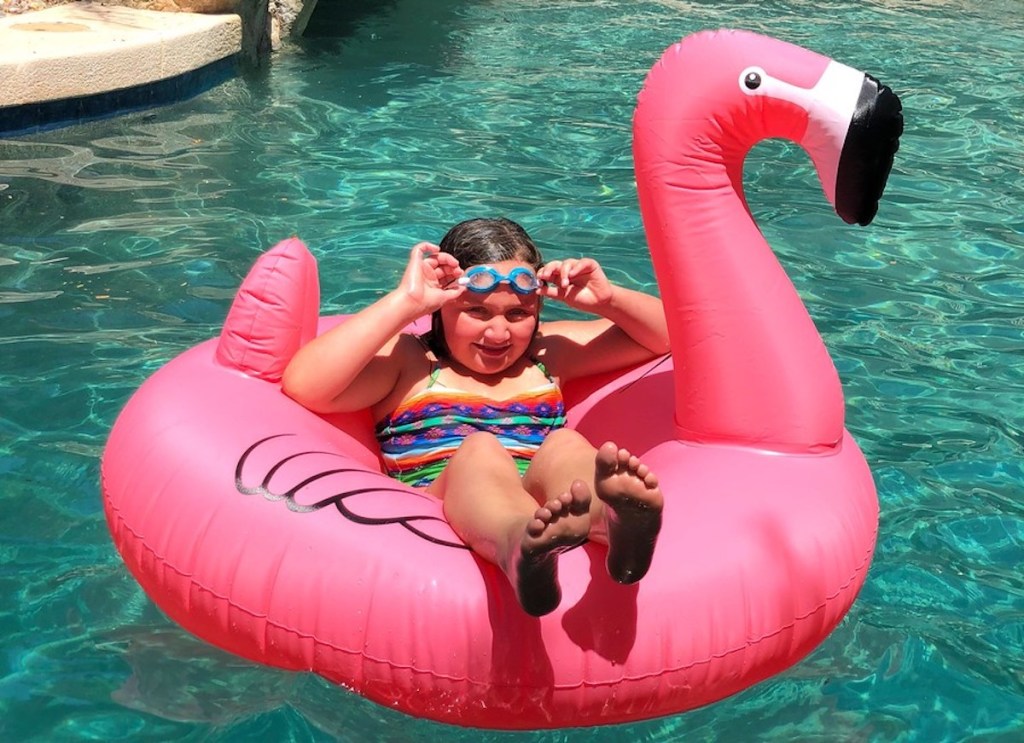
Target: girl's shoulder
{"points": [[411, 346], [568, 332], [571, 349], [562, 345]]}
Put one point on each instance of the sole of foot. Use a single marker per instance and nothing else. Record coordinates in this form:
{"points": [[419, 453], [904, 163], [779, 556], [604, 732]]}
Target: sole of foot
{"points": [[633, 506], [558, 525]]}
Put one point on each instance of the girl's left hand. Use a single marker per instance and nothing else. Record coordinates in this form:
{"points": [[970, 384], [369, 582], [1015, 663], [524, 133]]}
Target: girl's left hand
{"points": [[579, 282]]}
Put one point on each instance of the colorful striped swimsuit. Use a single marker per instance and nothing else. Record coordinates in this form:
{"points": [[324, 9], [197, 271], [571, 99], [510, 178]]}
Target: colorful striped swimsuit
{"points": [[419, 436]]}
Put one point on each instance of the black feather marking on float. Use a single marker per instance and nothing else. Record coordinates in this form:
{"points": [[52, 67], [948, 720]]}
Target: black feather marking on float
{"points": [[337, 500]]}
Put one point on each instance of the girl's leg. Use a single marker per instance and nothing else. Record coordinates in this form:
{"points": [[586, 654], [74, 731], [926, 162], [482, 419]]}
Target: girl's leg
{"points": [[625, 515], [486, 505]]}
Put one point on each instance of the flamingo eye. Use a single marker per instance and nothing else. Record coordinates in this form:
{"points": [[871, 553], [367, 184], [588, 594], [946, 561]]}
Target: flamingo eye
{"points": [[751, 79]]}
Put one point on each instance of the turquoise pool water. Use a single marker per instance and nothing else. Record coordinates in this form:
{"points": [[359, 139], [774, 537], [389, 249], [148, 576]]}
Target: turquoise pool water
{"points": [[122, 241]]}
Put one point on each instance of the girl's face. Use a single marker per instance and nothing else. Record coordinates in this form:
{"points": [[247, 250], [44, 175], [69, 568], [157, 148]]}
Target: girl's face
{"points": [[488, 332]]}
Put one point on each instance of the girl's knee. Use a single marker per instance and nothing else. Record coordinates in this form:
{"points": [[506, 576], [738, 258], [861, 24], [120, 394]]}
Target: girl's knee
{"points": [[480, 449], [480, 442], [482, 455], [564, 450]]}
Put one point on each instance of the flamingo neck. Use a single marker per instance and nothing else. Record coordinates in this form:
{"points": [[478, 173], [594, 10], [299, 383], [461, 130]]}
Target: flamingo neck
{"points": [[750, 367]]}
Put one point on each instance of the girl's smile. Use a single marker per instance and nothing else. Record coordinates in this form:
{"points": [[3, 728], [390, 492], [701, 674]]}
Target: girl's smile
{"points": [[492, 350]]}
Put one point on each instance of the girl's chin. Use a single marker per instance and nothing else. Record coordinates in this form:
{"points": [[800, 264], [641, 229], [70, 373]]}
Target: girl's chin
{"points": [[492, 363]]}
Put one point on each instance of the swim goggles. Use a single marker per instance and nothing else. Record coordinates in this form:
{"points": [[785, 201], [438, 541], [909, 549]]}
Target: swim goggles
{"points": [[482, 279]]}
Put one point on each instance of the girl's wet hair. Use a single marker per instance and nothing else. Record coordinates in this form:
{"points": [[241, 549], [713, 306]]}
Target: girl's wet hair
{"points": [[477, 242]]}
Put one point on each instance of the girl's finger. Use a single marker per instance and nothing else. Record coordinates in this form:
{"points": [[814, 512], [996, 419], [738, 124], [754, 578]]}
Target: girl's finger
{"points": [[553, 290], [424, 251], [583, 266], [450, 292], [446, 259], [448, 278], [568, 271]]}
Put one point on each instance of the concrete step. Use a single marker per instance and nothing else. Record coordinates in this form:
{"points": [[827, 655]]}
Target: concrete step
{"points": [[106, 55]]}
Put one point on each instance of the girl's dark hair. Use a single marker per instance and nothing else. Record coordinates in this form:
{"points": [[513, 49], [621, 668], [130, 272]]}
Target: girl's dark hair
{"points": [[481, 241]]}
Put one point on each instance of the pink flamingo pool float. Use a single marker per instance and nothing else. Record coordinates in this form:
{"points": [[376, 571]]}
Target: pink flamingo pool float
{"points": [[271, 532]]}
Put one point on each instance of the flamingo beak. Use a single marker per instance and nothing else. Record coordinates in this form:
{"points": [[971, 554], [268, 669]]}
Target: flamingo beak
{"points": [[871, 144]]}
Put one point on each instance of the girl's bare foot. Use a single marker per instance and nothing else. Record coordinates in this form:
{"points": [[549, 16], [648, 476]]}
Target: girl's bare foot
{"points": [[633, 505], [558, 525]]}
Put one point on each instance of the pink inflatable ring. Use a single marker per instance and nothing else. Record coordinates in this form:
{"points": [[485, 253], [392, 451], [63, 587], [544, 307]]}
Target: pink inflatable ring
{"points": [[271, 532]]}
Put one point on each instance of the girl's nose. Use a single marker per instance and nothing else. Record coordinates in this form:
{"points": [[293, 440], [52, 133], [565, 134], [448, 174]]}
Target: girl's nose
{"points": [[497, 330]]}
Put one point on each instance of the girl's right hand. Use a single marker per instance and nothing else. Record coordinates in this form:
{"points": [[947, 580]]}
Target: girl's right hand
{"points": [[431, 278]]}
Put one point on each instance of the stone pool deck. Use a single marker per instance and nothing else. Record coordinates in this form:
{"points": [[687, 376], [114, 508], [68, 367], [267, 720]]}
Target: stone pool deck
{"points": [[81, 61]]}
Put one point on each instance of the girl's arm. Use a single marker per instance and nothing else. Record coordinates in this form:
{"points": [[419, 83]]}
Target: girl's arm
{"points": [[632, 328], [358, 363]]}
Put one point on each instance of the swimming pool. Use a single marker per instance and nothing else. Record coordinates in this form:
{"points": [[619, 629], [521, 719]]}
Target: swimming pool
{"points": [[123, 240]]}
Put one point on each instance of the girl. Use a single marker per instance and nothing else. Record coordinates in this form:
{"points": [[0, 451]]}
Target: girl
{"points": [[472, 411]]}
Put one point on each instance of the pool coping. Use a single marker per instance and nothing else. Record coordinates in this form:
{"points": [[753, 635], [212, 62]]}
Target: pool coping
{"points": [[86, 60]]}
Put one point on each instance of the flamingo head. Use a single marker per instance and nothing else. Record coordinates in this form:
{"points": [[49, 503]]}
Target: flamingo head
{"points": [[732, 89]]}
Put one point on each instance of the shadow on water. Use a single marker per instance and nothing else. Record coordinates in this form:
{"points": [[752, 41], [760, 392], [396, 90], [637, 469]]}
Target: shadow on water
{"points": [[336, 19], [374, 51], [406, 31]]}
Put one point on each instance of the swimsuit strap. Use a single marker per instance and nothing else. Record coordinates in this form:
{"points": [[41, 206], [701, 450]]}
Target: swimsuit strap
{"points": [[435, 364], [543, 369], [435, 370]]}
